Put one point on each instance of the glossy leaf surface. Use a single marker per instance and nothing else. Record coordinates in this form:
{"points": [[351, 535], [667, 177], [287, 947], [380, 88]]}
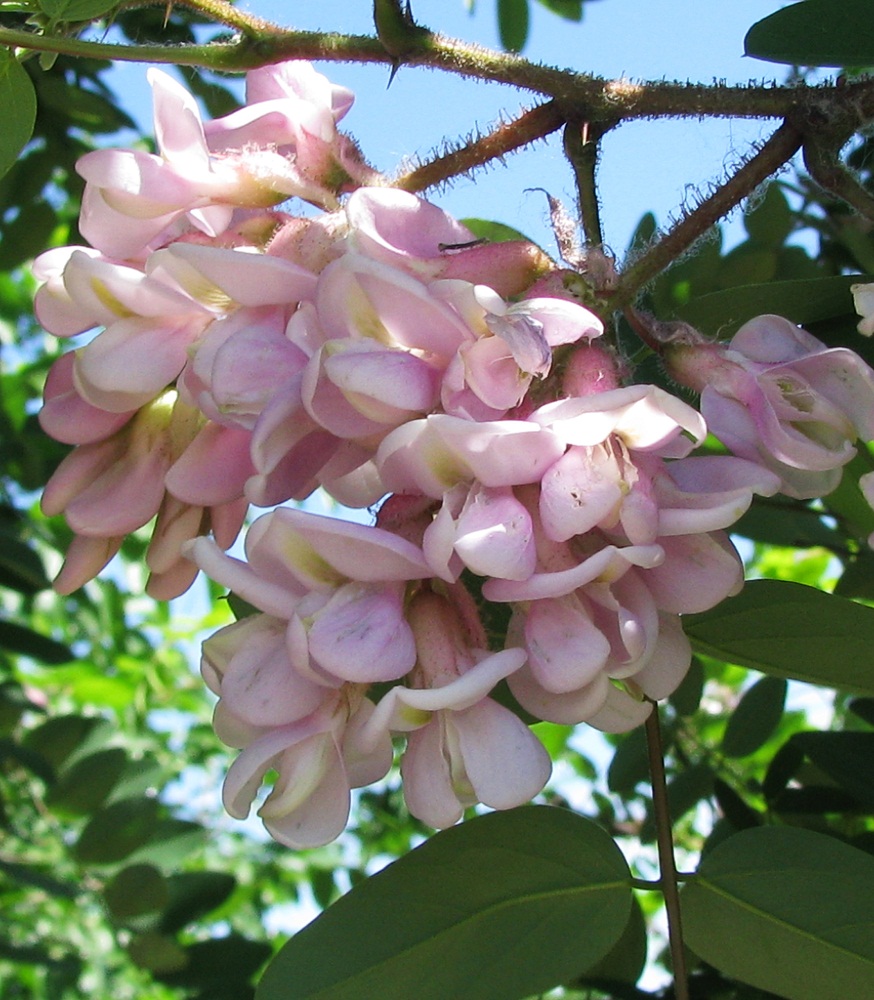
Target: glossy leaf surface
{"points": [[502, 906], [787, 910], [815, 33], [790, 630]]}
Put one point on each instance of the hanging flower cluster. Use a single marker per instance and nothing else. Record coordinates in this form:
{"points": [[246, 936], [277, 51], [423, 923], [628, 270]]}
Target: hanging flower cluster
{"points": [[373, 348]]}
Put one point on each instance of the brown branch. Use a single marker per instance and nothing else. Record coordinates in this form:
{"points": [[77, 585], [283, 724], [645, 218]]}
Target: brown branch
{"points": [[665, 842], [582, 145], [506, 138], [778, 149]]}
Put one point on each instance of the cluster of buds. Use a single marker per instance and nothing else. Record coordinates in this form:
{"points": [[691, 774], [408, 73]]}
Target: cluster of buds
{"points": [[376, 350]]}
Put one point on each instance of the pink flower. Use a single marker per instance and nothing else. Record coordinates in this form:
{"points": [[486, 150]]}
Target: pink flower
{"points": [[116, 481], [777, 396], [318, 759], [403, 230], [462, 747]]}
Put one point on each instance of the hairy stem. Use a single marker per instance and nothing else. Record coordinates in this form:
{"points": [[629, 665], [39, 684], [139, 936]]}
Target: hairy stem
{"points": [[780, 148], [664, 839], [218, 11], [582, 143], [507, 137], [582, 96]]}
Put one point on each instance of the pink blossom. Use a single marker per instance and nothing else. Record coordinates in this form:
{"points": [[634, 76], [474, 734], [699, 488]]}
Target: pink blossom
{"points": [[777, 396], [318, 759], [401, 229], [135, 199], [462, 747]]}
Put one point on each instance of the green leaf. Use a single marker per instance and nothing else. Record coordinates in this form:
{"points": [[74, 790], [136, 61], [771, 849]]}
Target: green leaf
{"points": [[220, 965], [756, 716], [157, 953], [65, 738], [494, 232], [513, 24], [570, 10], [76, 10], [803, 301], [625, 961], [845, 758], [21, 568], [171, 840], [192, 894], [15, 638], [815, 33], [502, 906], [630, 764], [117, 831], [29, 875], [135, 891], [787, 910], [84, 786], [770, 221], [18, 100], [788, 630]]}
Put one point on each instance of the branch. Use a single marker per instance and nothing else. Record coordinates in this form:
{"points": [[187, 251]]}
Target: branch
{"points": [[780, 148], [582, 146], [218, 11], [506, 138], [582, 96], [664, 839]]}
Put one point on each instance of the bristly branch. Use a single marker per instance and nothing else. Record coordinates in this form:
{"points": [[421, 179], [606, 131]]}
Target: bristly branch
{"points": [[582, 96], [582, 145], [776, 151], [219, 11], [505, 138]]}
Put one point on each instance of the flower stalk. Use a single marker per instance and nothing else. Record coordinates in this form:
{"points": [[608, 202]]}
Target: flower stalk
{"points": [[668, 876]]}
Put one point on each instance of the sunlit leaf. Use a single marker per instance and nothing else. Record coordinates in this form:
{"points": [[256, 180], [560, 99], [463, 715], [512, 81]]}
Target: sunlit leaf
{"points": [[789, 630], [809, 34], [497, 908], [18, 100], [787, 910], [803, 301]]}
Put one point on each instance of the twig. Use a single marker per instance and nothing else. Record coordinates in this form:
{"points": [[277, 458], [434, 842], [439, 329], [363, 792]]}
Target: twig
{"points": [[506, 138], [667, 864], [779, 148], [582, 145]]}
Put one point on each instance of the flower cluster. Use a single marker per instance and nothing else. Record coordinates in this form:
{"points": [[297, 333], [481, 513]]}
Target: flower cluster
{"points": [[376, 350]]}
